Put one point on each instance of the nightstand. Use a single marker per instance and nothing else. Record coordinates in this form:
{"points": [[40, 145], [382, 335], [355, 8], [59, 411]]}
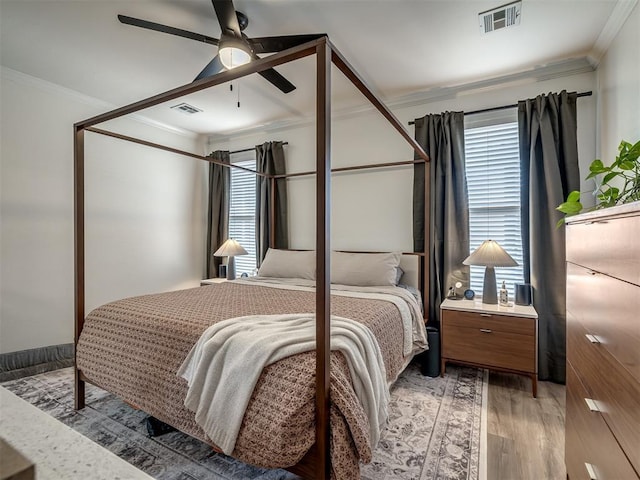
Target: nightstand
{"points": [[490, 336], [212, 281]]}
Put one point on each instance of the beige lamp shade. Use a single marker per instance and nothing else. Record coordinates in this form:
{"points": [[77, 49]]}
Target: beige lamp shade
{"points": [[490, 254], [230, 248]]}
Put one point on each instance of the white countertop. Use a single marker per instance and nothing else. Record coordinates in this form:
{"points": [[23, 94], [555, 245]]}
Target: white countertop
{"points": [[57, 451], [477, 306]]}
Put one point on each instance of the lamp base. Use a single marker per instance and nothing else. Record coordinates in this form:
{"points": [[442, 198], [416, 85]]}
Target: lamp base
{"points": [[231, 270], [489, 290]]}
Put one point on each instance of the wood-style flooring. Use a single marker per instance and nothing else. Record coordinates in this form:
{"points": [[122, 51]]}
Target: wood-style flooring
{"points": [[525, 435]]}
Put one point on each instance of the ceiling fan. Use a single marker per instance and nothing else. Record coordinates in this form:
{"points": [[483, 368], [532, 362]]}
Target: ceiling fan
{"points": [[234, 47]]}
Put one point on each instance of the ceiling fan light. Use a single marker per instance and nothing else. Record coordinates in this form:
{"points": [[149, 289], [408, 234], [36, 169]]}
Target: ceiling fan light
{"points": [[233, 53]]}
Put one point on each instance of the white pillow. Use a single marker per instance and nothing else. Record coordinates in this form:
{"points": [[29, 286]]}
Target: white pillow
{"points": [[289, 264], [364, 269]]}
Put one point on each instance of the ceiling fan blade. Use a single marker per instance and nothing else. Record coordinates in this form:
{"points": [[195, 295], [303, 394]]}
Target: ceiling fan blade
{"points": [[277, 44], [158, 27], [227, 18], [278, 80], [213, 67]]}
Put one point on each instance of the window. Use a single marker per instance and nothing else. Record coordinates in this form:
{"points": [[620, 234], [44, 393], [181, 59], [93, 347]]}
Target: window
{"points": [[493, 182], [242, 214]]}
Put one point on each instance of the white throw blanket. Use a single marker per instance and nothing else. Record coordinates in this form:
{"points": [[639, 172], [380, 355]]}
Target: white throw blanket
{"points": [[224, 365]]}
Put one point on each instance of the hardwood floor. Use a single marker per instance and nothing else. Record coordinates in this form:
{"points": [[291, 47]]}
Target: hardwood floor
{"points": [[525, 435]]}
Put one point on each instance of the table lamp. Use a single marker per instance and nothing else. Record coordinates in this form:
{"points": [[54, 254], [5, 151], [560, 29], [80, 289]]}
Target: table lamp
{"points": [[230, 249], [490, 254]]}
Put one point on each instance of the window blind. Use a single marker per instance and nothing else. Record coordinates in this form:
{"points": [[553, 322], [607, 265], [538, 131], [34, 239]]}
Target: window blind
{"points": [[493, 182], [242, 214]]}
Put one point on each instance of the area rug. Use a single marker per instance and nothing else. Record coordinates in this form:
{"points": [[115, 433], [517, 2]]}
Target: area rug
{"points": [[434, 430]]}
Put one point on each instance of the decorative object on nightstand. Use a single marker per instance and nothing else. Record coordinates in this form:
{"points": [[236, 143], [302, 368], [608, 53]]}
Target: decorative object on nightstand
{"points": [[523, 294], [453, 292], [504, 295], [490, 254], [490, 336], [231, 248]]}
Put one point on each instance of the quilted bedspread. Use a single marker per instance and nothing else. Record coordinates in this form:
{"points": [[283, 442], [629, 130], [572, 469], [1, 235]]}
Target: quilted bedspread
{"points": [[134, 347]]}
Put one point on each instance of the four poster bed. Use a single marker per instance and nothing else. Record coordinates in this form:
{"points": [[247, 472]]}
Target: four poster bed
{"points": [[134, 347]]}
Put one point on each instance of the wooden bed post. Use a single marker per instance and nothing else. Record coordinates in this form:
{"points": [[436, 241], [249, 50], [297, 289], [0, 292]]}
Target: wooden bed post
{"points": [[78, 224], [323, 257], [272, 212], [427, 240]]}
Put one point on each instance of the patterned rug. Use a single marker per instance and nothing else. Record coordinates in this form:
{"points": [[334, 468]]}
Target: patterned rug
{"points": [[434, 430]]}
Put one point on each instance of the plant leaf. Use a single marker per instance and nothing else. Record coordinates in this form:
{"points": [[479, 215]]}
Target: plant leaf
{"points": [[627, 165], [597, 166], [574, 196], [634, 152], [570, 208], [609, 176]]}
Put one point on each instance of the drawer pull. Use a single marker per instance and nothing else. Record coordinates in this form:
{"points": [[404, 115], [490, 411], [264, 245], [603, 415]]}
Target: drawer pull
{"points": [[593, 406], [485, 315], [591, 471], [592, 338], [592, 272], [486, 330]]}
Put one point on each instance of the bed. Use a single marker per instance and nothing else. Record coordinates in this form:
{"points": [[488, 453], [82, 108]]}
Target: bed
{"points": [[134, 346]]}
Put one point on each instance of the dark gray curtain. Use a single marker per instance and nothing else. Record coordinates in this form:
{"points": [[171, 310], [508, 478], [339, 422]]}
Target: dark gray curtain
{"points": [[549, 171], [442, 137], [218, 212], [270, 159]]}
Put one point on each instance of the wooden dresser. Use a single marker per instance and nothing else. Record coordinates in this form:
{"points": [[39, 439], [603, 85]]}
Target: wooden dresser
{"points": [[603, 344]]}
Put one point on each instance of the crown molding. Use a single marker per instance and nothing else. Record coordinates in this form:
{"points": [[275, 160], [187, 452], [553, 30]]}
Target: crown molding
{"points": [[621, 11], [44, 85], [538, 73]]}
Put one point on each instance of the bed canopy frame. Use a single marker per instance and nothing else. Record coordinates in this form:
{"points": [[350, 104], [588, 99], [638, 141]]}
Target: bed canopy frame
{"points": [[316, 463]]}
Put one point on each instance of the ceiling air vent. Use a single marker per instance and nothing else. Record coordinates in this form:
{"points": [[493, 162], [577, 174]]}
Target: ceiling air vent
{"points": [[186, 108], [502, 17]]}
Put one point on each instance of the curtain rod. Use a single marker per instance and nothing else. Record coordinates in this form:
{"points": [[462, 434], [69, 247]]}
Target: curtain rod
{"points": [[504, 107], [250, 149]]}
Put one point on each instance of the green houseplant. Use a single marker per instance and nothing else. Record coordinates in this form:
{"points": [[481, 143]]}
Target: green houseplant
{"points": [[620, 183]]}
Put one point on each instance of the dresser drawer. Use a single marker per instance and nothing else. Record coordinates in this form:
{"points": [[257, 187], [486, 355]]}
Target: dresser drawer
{"points": [[608, 245], [592, 297], [589, 440], [483, 343], [610, 385]]}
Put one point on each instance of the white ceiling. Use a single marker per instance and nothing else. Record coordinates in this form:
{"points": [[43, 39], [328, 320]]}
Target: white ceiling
{"points": [[400, 47]]}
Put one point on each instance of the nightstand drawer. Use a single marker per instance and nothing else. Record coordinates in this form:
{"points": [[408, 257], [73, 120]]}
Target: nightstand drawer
{"points": [[493, 348], [491, 321]]}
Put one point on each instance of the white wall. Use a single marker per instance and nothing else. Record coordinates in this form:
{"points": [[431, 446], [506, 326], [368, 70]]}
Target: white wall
{"points": [[619, 90], [373, 210], [144, 212]]}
